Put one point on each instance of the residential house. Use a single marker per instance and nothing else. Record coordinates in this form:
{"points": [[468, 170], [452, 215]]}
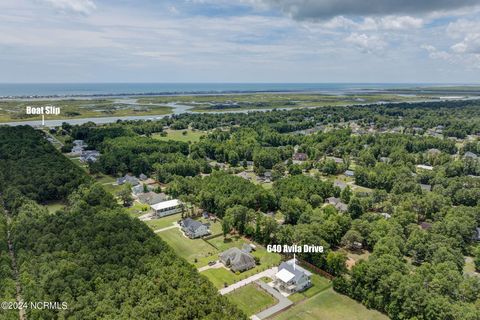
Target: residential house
{"points": [[425, 225], [292, 278], [90, 156], [476, 234], [385, 215], [152, 198], [426, 187], [194, 229], [128, 179], [167, 208], [336, 159], [268, 176], [300, 156], [349, 173], [470, 155], [237, 260], [337, 203], [385, 159], [142, 177], [424, 167]]}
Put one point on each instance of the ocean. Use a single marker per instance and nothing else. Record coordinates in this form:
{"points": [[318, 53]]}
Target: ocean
{"points": [[125, 89]]}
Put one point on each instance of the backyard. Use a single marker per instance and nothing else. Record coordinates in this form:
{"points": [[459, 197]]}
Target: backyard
{"points": [[332, 306], [164, 222], [190, 249], [222, 276], [243, 299]]}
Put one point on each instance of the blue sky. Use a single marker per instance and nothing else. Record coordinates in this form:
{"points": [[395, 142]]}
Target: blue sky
{"points": [[240, 41]]}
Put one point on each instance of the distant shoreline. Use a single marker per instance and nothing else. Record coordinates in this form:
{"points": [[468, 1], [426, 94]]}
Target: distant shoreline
{"points": [[11, 91]]}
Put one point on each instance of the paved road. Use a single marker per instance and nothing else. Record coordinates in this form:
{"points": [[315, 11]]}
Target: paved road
{"points": [[267, 273], [283, 302]]}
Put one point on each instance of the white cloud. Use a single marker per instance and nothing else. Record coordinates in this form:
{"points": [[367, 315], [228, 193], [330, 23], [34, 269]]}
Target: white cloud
{"points": [[368, 44], [400, 23], [76, 6]]}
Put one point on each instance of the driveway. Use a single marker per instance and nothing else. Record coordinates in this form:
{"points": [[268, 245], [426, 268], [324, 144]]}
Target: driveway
{"points": [[167, 228], [217, 265], [267, 273]]}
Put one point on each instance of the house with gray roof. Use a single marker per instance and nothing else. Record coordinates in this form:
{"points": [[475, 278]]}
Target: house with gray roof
{"points": [[349, 173], [152, 198], [194, 229], [128, 179], [292, 278], [337, 203], [470, 155], [476, 234], [89, 156], [237, 260]]}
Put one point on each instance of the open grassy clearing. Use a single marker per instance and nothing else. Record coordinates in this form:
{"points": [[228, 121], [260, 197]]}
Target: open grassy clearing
{"points": [[181, 135], [251, 299], [319, 284], [469, 267], [54, 206], [190, 249], [330, 305], [164, 222]]}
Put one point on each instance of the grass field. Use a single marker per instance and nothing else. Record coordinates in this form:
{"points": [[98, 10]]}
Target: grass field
{"points": [[469, 267], [163, 222], [329, 305], [319, 284], [138, 209], [54, 206], [178, 135], [190, 249], [243, 298]]}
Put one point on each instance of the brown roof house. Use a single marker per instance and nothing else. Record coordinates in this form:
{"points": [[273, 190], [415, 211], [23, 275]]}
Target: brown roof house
{"points": [[237, 260]]}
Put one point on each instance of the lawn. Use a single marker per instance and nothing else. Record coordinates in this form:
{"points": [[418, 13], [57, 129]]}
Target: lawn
{"points": [[178, 135], [469, 267], [319, 284], [190, 249], [138, 209], [215, 227], [104, 179], [163, 222], [330, 305], [113, 188], [221, 276], [251, 299], [54, 206], [226, 243]]}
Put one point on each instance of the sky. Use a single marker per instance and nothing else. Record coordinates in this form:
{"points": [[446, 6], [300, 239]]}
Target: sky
{"points": [[412, 41]]}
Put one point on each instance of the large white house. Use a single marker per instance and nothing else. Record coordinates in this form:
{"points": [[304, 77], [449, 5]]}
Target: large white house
{"points": [[194, 229], [167, 208], [292, 278]]}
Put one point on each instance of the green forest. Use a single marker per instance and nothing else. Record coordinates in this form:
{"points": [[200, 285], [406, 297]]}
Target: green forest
{"points": [[91, 255], [417, 225]]}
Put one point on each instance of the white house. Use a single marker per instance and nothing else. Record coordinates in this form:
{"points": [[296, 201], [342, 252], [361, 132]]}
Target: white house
{"points": [[194, 229], [167, 208], [292, 278]]}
